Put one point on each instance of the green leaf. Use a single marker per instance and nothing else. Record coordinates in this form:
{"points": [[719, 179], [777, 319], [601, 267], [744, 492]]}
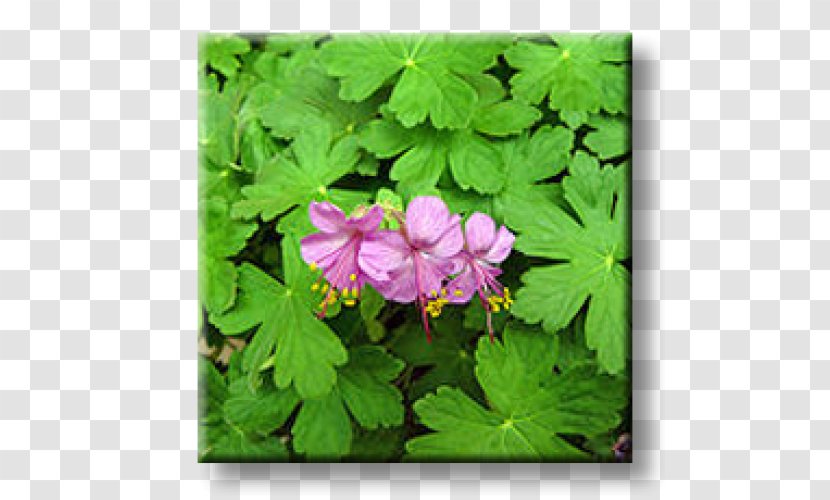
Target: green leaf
{"points": [[572, 348], [221, 51], [427, 72], [220, 237], [579, 74], [256, 147], [530, 405], [590, 251], [309, 97], [449, 358], [391, 202], [371, 304], [283, 43], [323, 429], [505, 118], [381, 445], [212, 391], [220, 440], [306, 350], [259, 411], [217, 122], [527, 161], [365, 386], [611, 137], [512, 371], [235, 446], [585, 402], [427, 152], [299, 177], [475, 318]]}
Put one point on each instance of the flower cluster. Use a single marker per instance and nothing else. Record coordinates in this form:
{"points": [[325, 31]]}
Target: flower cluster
{"points": [[429, 260]]}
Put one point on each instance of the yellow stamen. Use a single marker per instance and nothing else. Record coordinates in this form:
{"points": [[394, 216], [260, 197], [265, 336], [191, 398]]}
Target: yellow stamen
{"points": [[349, 302], [332, 299], [325, 288], [354, 292], [495, 308], [315, 287], [458, 293], [313, 266], [444, 292], [353, 277], [433, 293]]}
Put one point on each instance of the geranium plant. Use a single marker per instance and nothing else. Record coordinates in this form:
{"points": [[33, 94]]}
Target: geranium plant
{"points": [[415, 247]]}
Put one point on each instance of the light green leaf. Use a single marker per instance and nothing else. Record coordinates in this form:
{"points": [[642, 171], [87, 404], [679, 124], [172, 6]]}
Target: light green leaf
{"points": [[220, 237], [579, 74], [526, 161], [505, 118], [371, 304], [472, 160], [611, 137], [221, 51], [530, 406], [298, 176], [590, 251], [474, 163], [220, 440], [259, 411], [513, 370], [217, 123], [323, 430], [306, 350], [307, 97], [364, 384], [426, 70], [235, 446]]}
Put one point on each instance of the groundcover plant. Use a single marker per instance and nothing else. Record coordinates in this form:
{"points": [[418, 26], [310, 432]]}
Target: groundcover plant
{"points": [[414, 247]]}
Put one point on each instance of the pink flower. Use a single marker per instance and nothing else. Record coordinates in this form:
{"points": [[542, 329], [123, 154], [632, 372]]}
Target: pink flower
{"points": [[484, 247], [335, 250], [410, 265]]}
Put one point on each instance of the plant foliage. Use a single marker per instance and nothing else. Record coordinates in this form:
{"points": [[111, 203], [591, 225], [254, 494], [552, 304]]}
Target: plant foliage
{"points": [[533, 131]]}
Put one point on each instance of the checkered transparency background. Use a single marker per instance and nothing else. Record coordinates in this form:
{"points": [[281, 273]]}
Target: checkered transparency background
{"points": [[98, 311]]}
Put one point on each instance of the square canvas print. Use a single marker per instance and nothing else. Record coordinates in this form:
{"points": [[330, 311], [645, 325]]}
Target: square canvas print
{"points": [[415, 247]]}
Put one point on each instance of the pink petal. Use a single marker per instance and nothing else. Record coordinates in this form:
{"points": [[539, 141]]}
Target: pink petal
{"points": [[427, 219], [322, 248], [326, 217], [479, 231], [369, 222], [501, 247], [430, 273], [401, 285], [340, 271], [466, 282], [450, 242], [383, 252]]}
